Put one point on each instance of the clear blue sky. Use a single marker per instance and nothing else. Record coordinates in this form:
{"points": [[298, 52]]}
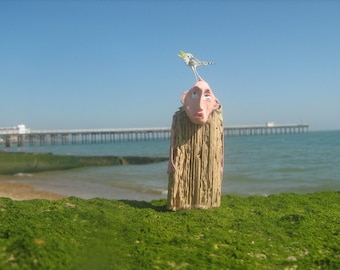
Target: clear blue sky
{"points": [[113, 64]]}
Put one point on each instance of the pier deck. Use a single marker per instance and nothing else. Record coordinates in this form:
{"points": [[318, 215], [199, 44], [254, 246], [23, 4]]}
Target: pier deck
{"points": [[93, 136]]}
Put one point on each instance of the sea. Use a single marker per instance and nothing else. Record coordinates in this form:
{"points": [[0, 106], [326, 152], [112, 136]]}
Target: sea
{"points": [[253, 165]]}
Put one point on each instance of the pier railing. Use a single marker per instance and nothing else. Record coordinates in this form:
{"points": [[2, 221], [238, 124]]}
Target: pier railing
{"points": [[265, 130], [94, 136]]}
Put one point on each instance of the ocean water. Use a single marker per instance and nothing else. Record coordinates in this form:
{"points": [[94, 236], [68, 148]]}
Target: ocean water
{"points": [[263, 165]]}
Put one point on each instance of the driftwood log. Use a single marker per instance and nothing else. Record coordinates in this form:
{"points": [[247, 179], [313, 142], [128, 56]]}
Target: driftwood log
{"points": [[196, 162]]}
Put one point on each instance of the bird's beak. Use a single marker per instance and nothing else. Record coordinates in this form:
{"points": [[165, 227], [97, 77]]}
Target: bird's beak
{"points": [[181, 54]]}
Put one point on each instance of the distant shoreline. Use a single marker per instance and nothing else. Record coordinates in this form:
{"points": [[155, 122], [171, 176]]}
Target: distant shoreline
{"points": [[13, 163]]}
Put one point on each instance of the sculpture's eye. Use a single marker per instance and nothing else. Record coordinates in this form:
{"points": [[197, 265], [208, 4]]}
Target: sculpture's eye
{"points": [[207, 97], [195, 95]]}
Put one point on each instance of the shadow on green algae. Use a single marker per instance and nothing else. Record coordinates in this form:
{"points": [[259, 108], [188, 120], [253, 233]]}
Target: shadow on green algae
{"points": [[284, 231], [156, 205]]}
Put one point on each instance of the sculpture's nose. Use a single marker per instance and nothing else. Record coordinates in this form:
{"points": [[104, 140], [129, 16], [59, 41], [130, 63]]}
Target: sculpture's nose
{"points": [[202, 102]]}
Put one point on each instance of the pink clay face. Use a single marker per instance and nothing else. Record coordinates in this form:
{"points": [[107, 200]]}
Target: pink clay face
{"points": [[199, 102]]}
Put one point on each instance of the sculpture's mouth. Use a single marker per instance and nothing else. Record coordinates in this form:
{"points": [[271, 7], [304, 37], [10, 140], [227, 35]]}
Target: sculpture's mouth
{"points": [[199, 115]]}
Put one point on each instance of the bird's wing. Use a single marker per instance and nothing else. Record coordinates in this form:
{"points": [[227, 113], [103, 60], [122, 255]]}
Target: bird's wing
{"points": [[194, 61]]}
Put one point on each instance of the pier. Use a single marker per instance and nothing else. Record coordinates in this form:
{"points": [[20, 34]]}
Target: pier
{"points": [[269, 129], [97, 136]]}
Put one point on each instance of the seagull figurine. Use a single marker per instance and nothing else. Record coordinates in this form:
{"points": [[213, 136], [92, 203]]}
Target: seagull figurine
{"points": [[193, 62]]}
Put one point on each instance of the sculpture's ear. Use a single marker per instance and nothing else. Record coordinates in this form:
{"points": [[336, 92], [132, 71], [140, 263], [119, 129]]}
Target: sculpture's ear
{"points": [[217, 104], [183, 96]]}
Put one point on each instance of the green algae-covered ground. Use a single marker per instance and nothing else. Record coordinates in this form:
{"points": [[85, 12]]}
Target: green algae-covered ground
{"points": [[11, 163], [285, 231]]}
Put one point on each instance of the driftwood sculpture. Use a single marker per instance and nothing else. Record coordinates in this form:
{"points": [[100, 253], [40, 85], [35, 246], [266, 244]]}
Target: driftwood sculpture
{"points": [[196, 151]]}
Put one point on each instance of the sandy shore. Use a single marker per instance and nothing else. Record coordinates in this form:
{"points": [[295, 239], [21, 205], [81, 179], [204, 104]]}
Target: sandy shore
{"points": [[19, 191], [53, 190]]}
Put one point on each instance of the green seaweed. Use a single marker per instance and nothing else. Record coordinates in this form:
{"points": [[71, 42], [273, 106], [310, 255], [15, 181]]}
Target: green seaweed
{"points": [[284, 231], [12, 163]]}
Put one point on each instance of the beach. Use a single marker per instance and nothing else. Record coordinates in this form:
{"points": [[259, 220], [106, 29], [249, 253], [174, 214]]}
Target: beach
{"points": [[20, 191], [38, 186]]}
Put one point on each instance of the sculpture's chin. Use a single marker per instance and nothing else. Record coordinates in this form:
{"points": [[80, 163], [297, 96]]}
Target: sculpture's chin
{"points": [[198, 120]]}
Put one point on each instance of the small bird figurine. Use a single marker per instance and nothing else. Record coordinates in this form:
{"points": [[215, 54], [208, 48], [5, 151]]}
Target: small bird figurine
{"points": [[193, 62]]}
